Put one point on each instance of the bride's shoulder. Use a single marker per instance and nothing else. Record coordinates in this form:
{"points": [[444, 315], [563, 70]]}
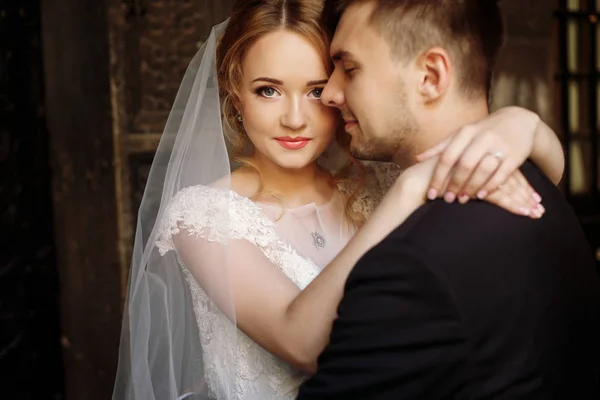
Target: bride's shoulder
{"points": [[245, 182], [214, 212], [235, 189], [200, 206], [197, 198], [207, 203]]}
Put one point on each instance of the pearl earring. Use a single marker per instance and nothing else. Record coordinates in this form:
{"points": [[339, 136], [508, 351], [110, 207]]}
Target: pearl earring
{"points": [[239, 117]]}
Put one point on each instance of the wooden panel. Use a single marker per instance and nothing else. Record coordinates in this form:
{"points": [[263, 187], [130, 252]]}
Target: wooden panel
{"points": [[139, 165], [79, 121], [151, 46]]}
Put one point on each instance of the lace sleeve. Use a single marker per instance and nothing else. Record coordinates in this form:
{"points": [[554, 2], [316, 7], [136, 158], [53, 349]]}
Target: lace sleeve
{"points": [[216, 215], [200, 216]]}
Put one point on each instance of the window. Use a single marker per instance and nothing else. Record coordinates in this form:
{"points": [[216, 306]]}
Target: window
{"points": [[577, 77]]}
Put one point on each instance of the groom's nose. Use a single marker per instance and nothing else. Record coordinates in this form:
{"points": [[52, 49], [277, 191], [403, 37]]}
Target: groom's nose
{"points": [[333, 93]]}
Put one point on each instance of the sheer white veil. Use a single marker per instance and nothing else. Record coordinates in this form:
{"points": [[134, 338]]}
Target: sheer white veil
{"points": [[160, 355]]}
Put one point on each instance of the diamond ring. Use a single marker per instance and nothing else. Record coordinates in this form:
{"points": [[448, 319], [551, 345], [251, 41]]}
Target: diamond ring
{"points": [[497, 154]]}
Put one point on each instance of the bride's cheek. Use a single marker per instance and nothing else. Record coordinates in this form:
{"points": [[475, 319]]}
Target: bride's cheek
{"points": [[261, 118]]}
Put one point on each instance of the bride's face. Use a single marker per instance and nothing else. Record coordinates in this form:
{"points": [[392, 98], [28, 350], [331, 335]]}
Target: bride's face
{"points": [[283, 77]]}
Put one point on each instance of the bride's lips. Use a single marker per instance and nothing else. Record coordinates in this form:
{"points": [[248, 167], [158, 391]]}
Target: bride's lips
{"points": [[291, 143]]}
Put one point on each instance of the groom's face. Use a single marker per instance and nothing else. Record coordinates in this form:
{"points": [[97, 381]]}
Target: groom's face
{"points": [[372, 90]]}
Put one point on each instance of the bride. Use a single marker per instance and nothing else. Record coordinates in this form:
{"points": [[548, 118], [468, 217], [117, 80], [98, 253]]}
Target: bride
{"points": [[251, 196]]}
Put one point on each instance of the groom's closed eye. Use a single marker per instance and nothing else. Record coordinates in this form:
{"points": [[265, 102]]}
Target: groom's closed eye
{"points": [[349, 71]]}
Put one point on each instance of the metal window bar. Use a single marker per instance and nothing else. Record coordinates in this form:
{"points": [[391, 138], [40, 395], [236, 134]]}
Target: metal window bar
{"points": [[586, 15]]}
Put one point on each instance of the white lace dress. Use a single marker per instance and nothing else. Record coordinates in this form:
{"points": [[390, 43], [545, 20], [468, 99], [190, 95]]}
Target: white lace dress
{"points": [[284, 240]]}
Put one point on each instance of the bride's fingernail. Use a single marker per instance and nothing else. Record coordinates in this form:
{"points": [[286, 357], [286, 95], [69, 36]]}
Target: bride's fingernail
{"points": [[482, 194], [537, 197], [463, 199], [449, 197], [432, 194], [525, 211], [539, 211]]}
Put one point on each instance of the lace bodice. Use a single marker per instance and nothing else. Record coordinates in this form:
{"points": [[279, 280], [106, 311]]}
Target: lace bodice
{"points": [[221, 216]]}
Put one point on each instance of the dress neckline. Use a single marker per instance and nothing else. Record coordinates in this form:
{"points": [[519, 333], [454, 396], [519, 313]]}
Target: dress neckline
{"points": [[312, 206]]}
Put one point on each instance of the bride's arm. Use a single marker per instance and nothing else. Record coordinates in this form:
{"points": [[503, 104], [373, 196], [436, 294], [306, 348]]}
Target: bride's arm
{"points": [[548, 153], [290, 323], [311, 314], [514, 132]]}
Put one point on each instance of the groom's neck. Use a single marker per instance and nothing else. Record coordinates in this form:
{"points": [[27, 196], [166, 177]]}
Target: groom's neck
{"points": [[445, 121]]}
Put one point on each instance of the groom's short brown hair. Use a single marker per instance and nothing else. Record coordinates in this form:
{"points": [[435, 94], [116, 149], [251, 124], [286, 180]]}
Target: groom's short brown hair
{"points": [[472, 31]]}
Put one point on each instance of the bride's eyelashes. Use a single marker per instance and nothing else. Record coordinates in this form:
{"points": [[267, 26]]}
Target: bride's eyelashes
{"points": [[317, 92], [270, 92], [266, 91]]}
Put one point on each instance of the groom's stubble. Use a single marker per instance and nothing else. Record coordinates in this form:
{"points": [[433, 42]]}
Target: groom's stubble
{"points": [[392, 137], [396, 123]]}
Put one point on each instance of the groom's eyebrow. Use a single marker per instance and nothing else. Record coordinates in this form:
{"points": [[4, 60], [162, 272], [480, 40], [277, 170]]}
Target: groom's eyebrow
{"points": [[340, 55]]}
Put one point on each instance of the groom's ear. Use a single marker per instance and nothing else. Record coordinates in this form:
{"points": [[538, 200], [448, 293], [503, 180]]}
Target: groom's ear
{"points": [[435, 69]]}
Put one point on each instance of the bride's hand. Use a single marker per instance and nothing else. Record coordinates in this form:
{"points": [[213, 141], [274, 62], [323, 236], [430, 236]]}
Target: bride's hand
{"points": [[514, 195], [480, 157], [409, 192]]}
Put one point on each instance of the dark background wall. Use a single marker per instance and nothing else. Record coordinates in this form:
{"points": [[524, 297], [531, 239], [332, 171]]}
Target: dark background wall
{"points": [[30, 353]]}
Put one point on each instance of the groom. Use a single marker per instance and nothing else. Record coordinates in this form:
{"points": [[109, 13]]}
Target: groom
{"points": [[460, 301]]}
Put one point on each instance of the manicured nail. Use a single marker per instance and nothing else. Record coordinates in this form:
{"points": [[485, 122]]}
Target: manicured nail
{"points": [[432, 194], [463, 199], [537, 197], [449, 197], [539, 211], [482, 194], [525, 211]]}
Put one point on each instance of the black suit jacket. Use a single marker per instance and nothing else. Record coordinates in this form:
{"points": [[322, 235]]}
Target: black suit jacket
{"points": [[469, 302]]}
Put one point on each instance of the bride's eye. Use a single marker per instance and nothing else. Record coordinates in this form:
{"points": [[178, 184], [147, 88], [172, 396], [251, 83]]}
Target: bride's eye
{"points": [[317, 92], [266, 91]]}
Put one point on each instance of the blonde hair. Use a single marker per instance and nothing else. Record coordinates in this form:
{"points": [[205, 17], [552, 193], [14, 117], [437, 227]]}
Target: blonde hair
{"points": [[249, 21]]}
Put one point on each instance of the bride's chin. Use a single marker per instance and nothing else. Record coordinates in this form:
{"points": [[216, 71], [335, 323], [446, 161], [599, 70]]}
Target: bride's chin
{"points": [[295, 161], [293, 166]]}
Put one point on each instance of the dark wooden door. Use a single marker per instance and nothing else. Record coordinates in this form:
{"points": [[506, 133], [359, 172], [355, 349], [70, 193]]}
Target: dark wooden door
{"points": [[113, 68], [152, 43]]}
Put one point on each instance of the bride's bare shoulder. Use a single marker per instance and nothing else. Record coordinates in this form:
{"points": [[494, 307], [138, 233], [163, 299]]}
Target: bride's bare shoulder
{"points": [[245, 182]]}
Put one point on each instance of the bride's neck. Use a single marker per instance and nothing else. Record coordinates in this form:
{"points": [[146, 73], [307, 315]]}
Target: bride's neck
{"points": [[294, 186]]}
